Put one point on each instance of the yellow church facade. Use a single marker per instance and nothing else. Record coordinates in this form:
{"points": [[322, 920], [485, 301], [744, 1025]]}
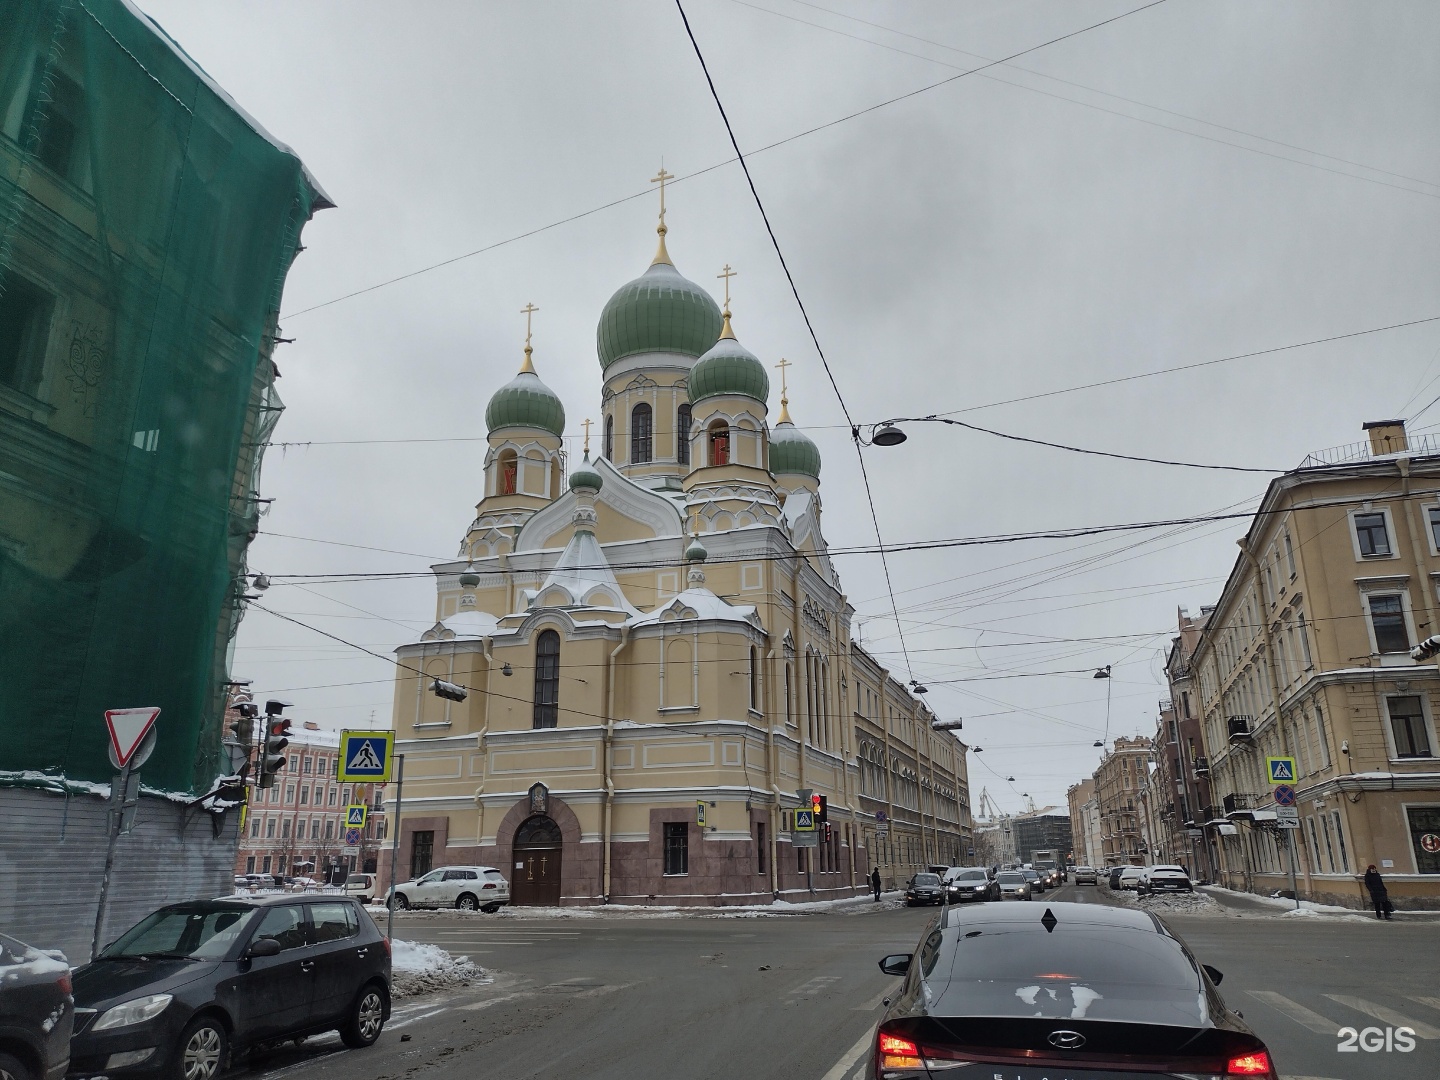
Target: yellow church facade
{"points": [[655, 651]]}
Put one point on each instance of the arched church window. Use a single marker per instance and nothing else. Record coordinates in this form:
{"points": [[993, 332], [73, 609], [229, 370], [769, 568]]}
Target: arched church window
{"points": [[682, 435], [641, 434], [719, 443], [547, 679], [508, 477], [754, 679], [609, 438]]}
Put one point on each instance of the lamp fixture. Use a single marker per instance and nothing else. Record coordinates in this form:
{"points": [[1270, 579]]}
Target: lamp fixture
{"points": [[887, 435]]}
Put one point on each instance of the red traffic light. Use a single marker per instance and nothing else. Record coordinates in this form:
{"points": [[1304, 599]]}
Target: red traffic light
{"points": [[821, 806], [279, 728]]}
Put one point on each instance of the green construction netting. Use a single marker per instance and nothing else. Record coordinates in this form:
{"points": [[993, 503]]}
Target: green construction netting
{"points": [[146, 227]]}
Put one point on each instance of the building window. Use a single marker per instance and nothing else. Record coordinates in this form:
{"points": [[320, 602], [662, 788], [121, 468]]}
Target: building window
{"points": [[507, 477], [329, 828], [1432, 514], [642, 442], [250, 864], [719, 443], [682, 435], [269, 828], [1387, 619], [677, 848], [284, 828], [1340, 842], [290, 790], [609, 438], [58, 119], [547, 679], [422, 855], [300, 829], [334, 792], [307, 764], [24, 332], [760, 847], [265, 865], [304, 795], [1424, 826], [1407, 725], [1371, 535], [754, 680]]}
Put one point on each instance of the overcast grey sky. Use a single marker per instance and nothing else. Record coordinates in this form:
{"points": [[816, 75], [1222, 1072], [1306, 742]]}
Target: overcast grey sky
{"points": [[1012, 232]]}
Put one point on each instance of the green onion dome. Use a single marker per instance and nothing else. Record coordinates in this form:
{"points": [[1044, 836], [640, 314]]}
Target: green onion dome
{"points": [[728, 368], [791, 450], [525, 401], [696, 552], [469, 579], [585, 477], [659, 311]]}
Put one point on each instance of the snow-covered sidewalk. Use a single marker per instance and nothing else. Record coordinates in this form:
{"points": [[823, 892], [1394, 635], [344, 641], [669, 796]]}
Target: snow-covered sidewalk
{"points": [[846, 905]]}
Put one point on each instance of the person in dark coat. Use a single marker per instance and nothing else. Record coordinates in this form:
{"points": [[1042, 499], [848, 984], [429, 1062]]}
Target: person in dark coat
{"points": [[1378, 896], [875, 882]]}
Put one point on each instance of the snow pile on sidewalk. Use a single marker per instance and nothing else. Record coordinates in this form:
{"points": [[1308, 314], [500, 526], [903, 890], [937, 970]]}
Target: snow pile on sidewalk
{"points": [[418, 968], [1190, 903]]}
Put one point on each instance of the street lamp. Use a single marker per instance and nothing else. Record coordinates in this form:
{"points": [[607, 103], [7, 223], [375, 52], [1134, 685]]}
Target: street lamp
{"points": [[887, 435], [1104, 673]]}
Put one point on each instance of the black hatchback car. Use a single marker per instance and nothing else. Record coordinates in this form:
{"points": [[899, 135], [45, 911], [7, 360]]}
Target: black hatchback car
{"points": [[36, 1012], [1079, 991], [191, 985]]}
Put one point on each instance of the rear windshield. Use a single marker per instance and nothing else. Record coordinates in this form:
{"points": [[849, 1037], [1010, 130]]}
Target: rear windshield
{"points": [[1074, 972], [1032, 874], [926, 879]]}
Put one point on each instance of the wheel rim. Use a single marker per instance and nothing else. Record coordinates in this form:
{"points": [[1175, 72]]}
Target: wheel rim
{"points": [[467, 903], [371, 1015], [202, 1054]]}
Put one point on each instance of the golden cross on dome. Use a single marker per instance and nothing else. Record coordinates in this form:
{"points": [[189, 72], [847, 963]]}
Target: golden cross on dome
{"points": [[784, 392], [528, 310], [586, 426], [727, 274], [661, 255]]}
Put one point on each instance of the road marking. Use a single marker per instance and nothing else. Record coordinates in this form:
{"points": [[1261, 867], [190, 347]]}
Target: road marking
{"points": [[1389, 1016], [854, 1054], [874, 1003], [811, 988], [1297, 1012], [494, 1001], [1433, 1002], [414, 1019]]}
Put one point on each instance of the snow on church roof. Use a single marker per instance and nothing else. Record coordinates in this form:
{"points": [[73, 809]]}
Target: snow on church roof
{"points": [[583, 577], [696, 604]]}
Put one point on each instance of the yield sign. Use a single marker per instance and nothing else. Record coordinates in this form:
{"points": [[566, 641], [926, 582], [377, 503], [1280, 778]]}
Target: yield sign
{"points": [[128, 728]]}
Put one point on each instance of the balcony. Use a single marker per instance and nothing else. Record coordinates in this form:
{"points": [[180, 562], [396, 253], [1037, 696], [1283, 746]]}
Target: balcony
{"points": [[1202, 766], [1239, 728], [1237, 801]]}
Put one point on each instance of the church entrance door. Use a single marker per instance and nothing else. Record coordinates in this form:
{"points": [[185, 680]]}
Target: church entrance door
{"points": [[536, 875]]}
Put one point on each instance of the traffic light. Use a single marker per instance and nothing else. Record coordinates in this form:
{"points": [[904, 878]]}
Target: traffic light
{"points": [[821, 805], [1426, 650], [244, 726], [277, 738]]}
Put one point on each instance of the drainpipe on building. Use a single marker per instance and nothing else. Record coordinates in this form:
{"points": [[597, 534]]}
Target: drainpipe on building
{"points": [[771, 772], [609, 741]]}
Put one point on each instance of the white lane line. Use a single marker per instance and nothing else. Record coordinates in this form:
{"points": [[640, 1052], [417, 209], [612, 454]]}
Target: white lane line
{"points": [[1433, 1002], [1389, 1016], [874, 1003], [414, 1019], [478, 1005], [1297, 1012], [854, 1054]]}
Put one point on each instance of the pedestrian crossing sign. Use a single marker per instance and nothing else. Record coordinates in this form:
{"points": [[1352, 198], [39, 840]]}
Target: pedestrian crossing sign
{"points": [[805, 820], [1281, 770], [365, 757], [355, 816]]}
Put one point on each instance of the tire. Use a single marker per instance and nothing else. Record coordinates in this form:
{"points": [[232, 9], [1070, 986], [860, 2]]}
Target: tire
{"points": [[367, 1018], [14, 1069], [399, 903], [466, 902], [202, 1052]]}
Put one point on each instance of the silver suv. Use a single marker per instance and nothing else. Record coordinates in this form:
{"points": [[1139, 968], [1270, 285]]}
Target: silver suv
{"points": [[463, 887]]}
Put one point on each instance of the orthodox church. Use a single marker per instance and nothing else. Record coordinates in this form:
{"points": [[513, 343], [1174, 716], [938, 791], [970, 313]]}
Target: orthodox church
{"points": [[655, 651]]}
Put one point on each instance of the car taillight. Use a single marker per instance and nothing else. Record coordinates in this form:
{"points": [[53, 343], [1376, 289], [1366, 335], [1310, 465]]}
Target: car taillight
{"points": [[488, 885], [897, 1052], [386, 942], [1256, 1063], [64, 983]]}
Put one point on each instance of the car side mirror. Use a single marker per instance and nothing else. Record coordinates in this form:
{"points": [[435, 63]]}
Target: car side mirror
{"points": [[1215, 976], [896, 964], [265, 946]]}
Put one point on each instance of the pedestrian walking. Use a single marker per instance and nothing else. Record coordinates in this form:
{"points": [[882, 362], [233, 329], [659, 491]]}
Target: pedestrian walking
{"points": [[875, 882], [1378, 895]]}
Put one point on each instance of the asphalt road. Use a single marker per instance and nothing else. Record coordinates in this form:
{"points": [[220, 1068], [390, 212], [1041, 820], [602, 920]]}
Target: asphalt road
{"points": [[797, 997]]}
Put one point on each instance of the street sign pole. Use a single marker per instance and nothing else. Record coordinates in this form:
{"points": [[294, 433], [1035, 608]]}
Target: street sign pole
{"points": [[1290, 836], [113, 820], [395, 848]]}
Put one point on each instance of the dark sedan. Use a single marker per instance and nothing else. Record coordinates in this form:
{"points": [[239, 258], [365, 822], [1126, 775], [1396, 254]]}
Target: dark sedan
{"points": [[1080, 991], [924, 889], [1037, 882], [970, 883], [192, 985], [36, 1012]]}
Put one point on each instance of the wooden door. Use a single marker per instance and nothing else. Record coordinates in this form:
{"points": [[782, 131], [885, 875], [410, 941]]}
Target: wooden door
{"points": [[535, 874]]}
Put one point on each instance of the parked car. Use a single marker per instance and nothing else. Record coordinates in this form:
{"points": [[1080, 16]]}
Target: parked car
{"points": [[463, 887], [924, 889], [1086, 875], [361, 887], [37, 1012], [1164, 877], [1130, 877], [1115, 872], [1013, 884], [1037, 883], [1102, 991], [967, 883], [193, 985]]}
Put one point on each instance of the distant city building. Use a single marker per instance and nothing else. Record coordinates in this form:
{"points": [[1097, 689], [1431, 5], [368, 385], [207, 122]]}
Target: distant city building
{"points": [[1078, 797], [1047, 829], [1123, 774]]}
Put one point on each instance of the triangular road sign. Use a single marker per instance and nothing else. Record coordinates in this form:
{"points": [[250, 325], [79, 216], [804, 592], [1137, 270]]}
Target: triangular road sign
{"points": [[128, 728]]}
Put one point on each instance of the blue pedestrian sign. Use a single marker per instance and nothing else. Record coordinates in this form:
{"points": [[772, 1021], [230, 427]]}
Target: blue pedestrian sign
{"points": [[1281, 770], [365, 757], [355, 816], [1284, 795], [805, 820]]}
